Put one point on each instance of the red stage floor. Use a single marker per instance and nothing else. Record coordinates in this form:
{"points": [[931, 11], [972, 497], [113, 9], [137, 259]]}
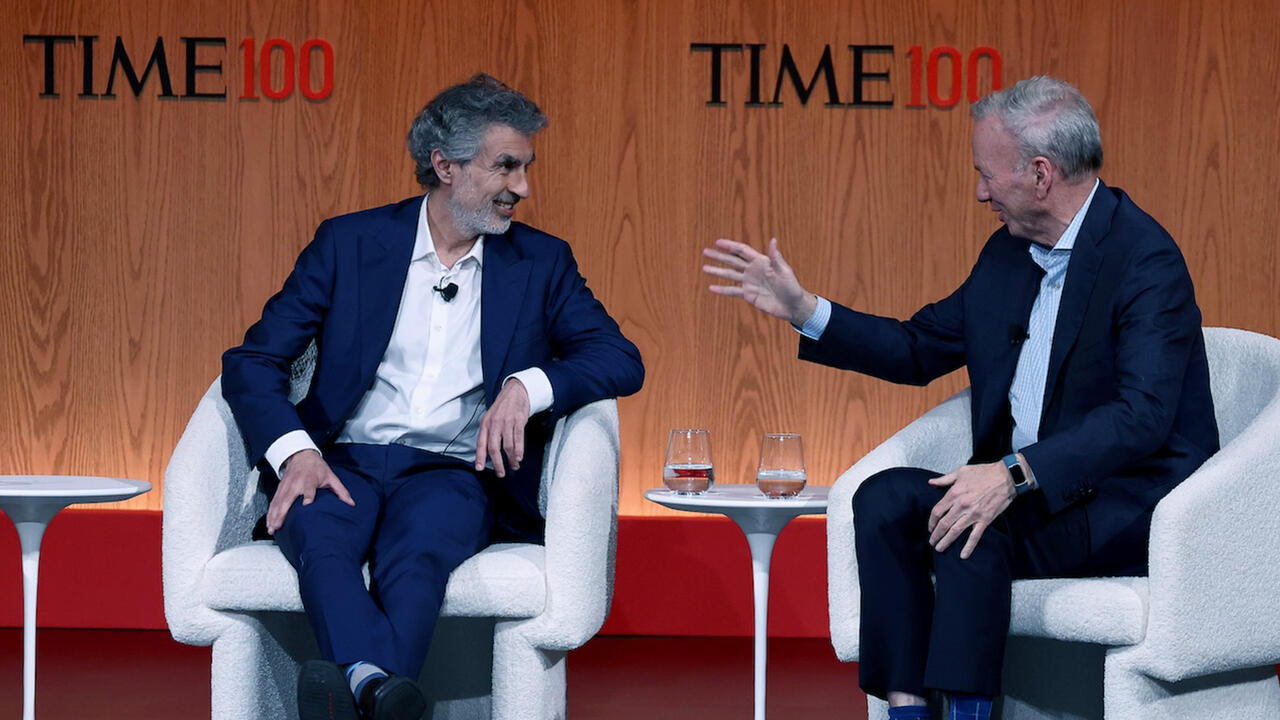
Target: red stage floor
{"points": [[127, 675]]}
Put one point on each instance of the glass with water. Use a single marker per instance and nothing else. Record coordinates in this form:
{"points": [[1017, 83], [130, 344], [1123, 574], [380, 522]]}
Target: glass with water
{"points": [[781, 470], [688, 469]]}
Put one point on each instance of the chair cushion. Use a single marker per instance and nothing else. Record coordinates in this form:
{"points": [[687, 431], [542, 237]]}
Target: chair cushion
{"points": [[505, 580], [1106, 611]]}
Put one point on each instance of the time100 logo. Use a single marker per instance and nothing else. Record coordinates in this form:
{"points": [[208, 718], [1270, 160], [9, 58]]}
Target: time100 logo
{"points": [[941, 75], [274, 70]]}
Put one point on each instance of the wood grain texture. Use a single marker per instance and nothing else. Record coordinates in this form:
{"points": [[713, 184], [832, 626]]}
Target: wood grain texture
{"points": [[141, 236]]}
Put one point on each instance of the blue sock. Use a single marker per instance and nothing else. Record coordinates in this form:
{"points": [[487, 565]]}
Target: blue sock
{"points": [[360, 673], [970, 707], [909, 712]]}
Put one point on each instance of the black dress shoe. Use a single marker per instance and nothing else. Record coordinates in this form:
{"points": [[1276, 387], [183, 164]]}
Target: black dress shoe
{"points": [[323, 693], [392, 698]]}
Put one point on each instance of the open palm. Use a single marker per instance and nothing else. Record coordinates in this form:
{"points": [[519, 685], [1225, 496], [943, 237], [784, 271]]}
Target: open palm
{"points": [[765, 281]]}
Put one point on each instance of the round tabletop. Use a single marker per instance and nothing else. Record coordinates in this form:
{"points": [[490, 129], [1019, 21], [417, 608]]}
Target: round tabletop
{"points": [[727, 498], [69, 488]]}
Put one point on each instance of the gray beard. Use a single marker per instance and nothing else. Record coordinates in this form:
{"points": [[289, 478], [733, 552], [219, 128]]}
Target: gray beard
{"points": [[477, 221]]}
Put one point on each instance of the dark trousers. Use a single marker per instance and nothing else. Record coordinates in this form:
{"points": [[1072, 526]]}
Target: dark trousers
{"points": [[418, 515], [915, 636]]}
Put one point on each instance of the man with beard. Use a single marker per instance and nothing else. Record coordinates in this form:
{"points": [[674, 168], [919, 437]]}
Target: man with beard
{"points": [[449, 340]]}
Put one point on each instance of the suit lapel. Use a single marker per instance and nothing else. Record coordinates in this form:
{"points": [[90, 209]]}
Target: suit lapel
{"points": [[384, 255], [1082, 273], [502, 284]]}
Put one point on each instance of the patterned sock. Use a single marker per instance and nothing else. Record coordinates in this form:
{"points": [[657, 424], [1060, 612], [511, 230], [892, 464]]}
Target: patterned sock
{"points": [[970, 707], [360, 673], [909, 712]]}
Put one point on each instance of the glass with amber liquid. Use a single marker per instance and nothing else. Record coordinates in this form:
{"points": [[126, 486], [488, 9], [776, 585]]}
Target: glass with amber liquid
{"points": [[688, 469], [781, 470]]}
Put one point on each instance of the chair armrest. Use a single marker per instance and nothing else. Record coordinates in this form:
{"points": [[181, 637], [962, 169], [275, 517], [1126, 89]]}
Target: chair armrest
{"points": [[580, 484], [1214, 576], [940, 440], [210, 502]]}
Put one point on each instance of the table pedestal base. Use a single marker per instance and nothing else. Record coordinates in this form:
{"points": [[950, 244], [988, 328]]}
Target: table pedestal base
{"points": [[30, 519], [762, 531]]}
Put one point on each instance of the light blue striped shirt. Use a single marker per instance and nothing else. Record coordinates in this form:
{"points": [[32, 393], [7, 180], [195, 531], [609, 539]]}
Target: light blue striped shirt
{"points": [[1026, 394]]}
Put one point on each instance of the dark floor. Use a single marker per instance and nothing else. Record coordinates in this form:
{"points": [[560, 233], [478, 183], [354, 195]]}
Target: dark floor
{"points": [[128, 675]]}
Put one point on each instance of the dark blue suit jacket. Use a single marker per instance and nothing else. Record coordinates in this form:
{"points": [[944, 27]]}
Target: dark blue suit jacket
{"points": [[1127, 411], [344, 293]]}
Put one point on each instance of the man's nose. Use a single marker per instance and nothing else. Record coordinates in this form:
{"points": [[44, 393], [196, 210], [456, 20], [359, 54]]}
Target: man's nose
{"points": [[518, 183]]}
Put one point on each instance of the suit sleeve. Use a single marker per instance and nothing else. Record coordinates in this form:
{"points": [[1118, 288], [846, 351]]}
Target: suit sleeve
{"points": [[1156, 329], [255, 374], [592, 359], [914, 352]]}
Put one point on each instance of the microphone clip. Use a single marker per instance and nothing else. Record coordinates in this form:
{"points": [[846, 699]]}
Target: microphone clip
{"points": [[447, 292]]}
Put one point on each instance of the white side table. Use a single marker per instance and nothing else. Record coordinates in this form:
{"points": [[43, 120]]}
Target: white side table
{"points": [[761, 519], [31, 501]]}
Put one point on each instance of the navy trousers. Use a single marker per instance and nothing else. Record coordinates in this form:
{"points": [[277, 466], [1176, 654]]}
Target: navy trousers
{"points": [[418, 515], [951, 638]]}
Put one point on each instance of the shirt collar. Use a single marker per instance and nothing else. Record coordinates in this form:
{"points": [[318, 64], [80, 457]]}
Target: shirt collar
{"points": [[1068, 239], [424, 246]]}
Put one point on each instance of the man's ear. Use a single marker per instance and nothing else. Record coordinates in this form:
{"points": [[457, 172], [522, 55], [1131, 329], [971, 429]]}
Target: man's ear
{"points": [[443, 166], [1042, 168]]}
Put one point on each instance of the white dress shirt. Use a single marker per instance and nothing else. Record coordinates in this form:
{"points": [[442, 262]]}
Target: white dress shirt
{"points": [[428, 391]]}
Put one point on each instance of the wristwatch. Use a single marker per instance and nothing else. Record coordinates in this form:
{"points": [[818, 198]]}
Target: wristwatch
{"points": [[1021, 483]]}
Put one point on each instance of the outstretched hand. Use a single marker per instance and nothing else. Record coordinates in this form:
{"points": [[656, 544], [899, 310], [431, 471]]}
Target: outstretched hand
{"points": [[764, 280]]}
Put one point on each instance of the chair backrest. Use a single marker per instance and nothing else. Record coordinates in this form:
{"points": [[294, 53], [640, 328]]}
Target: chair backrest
{"points": [[1244, 376]]}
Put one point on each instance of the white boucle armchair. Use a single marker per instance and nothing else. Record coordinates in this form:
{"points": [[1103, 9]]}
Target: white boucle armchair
{"points": [[510, 613], [1198, 638]]}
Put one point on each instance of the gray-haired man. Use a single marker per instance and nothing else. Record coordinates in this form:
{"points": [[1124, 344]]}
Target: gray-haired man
{"points": [[1090, 401], [449, 341]]}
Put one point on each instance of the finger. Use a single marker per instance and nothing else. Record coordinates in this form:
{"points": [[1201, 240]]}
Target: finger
{"points": [[737, 249], [939, 511], [509, 445], [943, 480], [953, 533], [775, 255], [340, 490], [308, 495], [721, 272], [725, 258], [519, 445], [277, 510], [975, 534], [729, 290], [482, 447], [495, 453]]}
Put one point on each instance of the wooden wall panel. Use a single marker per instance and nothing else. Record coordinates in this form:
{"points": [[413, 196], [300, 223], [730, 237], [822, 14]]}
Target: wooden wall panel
{"points": [[141, 236]]}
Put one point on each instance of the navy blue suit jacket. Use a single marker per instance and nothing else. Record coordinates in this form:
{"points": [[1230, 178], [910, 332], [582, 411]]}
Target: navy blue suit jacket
{"points": [[344, 293], [1127, 411]]}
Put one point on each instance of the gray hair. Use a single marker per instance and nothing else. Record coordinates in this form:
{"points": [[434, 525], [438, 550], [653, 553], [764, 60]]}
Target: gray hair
{"points": [[1048, 117], [454, 122]]}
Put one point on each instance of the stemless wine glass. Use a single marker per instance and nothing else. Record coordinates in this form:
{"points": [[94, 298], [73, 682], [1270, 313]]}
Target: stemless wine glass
{"points": [[781, 471], [688, 470]]}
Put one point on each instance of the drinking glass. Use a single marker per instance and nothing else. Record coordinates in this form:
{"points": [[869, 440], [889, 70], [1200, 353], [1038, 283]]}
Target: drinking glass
{"points": [[781, 470], [688, 469]]}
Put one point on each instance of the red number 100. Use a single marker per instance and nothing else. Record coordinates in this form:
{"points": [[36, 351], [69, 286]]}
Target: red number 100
{"points": [[930, 73], [252, 71]]}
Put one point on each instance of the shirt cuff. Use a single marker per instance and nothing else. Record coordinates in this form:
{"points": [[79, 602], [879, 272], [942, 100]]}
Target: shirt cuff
{"points": [[538, 386], [286, 446], [817, 322]]}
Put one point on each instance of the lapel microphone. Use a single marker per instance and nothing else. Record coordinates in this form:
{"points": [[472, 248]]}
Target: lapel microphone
{"points": [[447, 292]]}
